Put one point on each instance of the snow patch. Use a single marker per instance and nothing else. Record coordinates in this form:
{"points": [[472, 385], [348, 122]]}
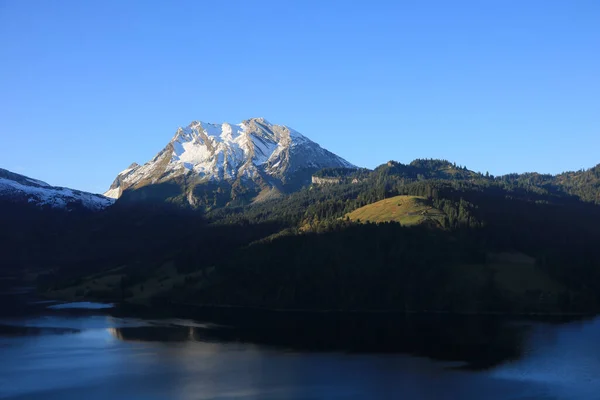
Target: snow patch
{"points": [[113, 193]]}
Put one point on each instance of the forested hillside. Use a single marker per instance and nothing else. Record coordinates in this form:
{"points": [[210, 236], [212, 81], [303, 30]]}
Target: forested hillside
{"points": [[516, 243]]}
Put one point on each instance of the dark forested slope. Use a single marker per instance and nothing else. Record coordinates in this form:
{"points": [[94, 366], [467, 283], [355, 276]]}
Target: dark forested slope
{"points": [[517, 243]]}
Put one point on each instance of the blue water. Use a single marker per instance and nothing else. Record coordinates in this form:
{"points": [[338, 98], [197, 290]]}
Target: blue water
{"points": [[78, 354], [86, 305]]}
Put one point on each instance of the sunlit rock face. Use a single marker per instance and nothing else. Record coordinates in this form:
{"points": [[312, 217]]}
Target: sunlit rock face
{"points": [[253, 155]]}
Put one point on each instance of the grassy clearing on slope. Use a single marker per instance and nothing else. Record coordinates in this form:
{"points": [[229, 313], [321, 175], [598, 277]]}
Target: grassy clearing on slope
{"points": [[407, 210]]}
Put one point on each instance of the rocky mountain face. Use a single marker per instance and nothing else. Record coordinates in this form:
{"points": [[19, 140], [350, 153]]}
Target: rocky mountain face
{"points": [[17, 188], [214, 164]]}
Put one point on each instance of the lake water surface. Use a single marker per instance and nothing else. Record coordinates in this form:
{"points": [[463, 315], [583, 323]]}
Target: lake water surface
{"points": [[102, 353]]}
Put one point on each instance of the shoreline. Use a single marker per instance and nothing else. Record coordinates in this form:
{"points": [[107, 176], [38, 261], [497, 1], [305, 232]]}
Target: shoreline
{"points": [[298, 312]]}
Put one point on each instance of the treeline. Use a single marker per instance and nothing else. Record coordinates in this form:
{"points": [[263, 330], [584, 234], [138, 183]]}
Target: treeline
{"points": [[584, 184]]}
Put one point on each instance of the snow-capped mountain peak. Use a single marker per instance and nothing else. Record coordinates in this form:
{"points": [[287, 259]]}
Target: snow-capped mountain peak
{"points": [[254, 151], [19, 188]]}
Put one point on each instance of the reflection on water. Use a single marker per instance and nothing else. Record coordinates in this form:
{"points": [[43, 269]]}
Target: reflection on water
{"points": [[100, 354], [478, 342]]}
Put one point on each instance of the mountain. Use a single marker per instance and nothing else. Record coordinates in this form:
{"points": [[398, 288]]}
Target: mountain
{"points": [[212, 164], [17, 188]]}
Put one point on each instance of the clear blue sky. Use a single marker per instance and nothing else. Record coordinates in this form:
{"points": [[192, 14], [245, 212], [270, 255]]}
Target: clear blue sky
{"points": [[88, 87]]}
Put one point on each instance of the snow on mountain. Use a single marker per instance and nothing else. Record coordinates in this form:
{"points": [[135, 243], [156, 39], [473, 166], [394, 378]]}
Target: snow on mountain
{"points": [[19, 188], [250, 152]]}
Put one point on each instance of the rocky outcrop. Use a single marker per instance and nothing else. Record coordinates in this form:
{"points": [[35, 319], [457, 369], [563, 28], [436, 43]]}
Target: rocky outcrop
{"points": [[326, 180]]}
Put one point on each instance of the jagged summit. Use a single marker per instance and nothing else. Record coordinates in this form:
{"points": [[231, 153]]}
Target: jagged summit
{"points": [[254, 153]]}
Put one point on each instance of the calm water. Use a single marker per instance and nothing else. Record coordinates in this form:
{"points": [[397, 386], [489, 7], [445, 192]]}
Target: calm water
{"points": [[64, 353]]}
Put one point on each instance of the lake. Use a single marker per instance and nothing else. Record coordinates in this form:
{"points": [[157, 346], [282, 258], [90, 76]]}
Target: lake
{"points": [[93, 352]]}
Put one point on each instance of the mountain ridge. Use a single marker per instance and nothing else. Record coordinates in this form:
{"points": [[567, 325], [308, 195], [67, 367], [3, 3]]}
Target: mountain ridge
{"points": [[20, 188]]}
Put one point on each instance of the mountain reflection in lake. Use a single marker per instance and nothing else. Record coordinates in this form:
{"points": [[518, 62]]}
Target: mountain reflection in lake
{"points": [[475, 342], [102, 354]]}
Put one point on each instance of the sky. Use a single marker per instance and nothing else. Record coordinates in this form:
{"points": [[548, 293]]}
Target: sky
{"points": [[88, 87]]}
